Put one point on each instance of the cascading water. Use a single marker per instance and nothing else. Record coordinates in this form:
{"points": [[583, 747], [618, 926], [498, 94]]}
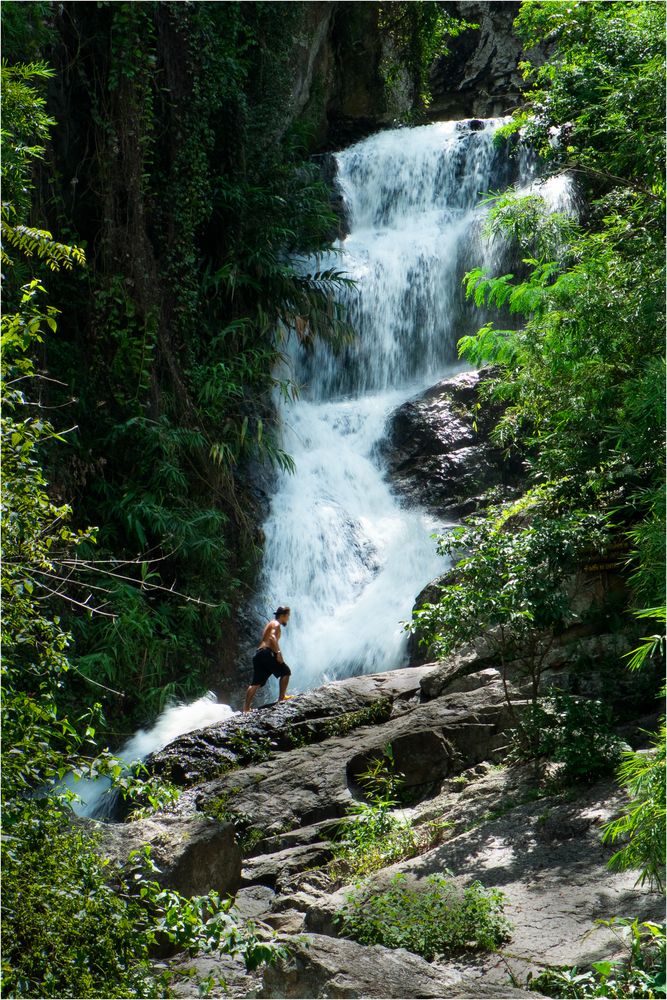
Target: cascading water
{"points": [[92, 795], [340, 548]]}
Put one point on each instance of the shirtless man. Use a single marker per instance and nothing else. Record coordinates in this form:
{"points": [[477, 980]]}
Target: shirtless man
{"points": [[268, 659]]}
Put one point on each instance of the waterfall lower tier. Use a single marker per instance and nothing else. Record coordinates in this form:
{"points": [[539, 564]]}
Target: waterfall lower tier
{"points": [[95, 797], [340, 548]]}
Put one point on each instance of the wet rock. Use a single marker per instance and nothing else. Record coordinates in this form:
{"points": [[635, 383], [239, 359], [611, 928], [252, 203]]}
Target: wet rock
{"points": [[320, 966], [438, 450], [193, 855], [307, 718]]}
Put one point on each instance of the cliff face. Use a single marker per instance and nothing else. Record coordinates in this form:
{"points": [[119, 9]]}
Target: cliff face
{"points": [[341, 84], [480, 77]]}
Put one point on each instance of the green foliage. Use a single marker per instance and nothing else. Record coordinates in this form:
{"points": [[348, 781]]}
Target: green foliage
{"points": [[25, 130], [193, 193], [247, 747], [575, 733], [37, 738], [641, 828], [602, 88], [431, 921], [652, 645], [642, 974], [582, 378], [512, 563], [74, 926], [247, 835], [377, 712], [642, 825], [373, 836]]}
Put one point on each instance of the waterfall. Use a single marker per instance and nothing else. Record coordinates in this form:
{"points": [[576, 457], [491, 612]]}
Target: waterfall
{"points": [[340, 548]]}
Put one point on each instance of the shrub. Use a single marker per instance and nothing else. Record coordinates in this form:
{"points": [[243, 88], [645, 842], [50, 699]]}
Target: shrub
{"points": [[74, 926], [573, 732], [430, 922], [642, 824], [373, 836]]}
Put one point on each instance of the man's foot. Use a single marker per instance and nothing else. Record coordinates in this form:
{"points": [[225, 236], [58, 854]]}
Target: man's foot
{"points": [[286, 697]]}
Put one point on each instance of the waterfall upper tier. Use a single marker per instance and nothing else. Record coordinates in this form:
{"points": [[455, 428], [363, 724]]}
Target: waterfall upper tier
{"points": [[413, 205]]}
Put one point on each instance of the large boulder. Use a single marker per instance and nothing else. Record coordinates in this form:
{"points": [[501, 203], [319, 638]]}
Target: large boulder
{"points": [[287, 804], [307, 718], [193, 854], [321, 966], [438, 451]]}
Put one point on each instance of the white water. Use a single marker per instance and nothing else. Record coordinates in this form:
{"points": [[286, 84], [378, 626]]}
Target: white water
{"points": [[174, 721], [340, 548]]}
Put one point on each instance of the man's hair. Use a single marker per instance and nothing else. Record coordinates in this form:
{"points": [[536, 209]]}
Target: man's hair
{"points": [[281, 611]]}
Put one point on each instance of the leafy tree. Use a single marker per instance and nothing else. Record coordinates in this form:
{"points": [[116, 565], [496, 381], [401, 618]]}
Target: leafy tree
{"points": [[583, 376], [579, 366], [512, 563]]}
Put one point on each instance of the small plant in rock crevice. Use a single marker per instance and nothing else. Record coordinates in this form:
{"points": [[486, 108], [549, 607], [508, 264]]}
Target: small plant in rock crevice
{"points": [[373, 836], [248, 747], [640, 974], [247, 835]]}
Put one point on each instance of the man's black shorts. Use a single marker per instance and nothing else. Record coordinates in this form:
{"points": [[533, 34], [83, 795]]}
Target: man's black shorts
{"points": [[264, 664]]}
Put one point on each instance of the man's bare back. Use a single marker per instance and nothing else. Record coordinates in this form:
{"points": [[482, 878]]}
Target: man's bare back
{"points": [[271, 638]]}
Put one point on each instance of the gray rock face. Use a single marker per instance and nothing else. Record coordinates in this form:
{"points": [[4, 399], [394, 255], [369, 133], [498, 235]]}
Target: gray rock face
{"points": [[464, 664], [496, 826], [311, 784], [193, 855], [321, 966], [480, 75], [437, 457], [545, 855]]}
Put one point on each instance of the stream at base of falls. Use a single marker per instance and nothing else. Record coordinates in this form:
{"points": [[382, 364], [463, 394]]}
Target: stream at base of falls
{"points": [[341, 549]]}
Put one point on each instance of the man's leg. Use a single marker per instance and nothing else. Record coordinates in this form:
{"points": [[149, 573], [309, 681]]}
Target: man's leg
{"points": [[250, 694], [284, 681]]}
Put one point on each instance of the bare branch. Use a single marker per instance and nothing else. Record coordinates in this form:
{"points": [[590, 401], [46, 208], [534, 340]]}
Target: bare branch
{"points": [[50, 592]]}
